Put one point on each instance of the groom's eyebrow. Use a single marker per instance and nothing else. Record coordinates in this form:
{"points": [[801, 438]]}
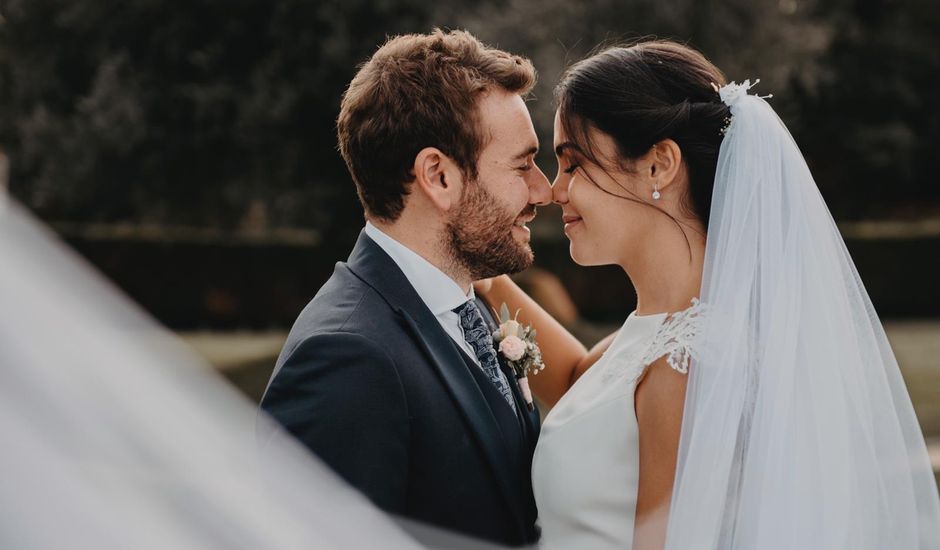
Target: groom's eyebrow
{"points": [[528, 152]]}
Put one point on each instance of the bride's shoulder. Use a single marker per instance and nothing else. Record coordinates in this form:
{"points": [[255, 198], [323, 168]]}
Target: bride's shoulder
{"points": [[647, 339], [675, 338]]}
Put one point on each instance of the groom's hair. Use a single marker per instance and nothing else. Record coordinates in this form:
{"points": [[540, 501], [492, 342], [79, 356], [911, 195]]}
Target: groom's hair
{"points": [[417, 91]]}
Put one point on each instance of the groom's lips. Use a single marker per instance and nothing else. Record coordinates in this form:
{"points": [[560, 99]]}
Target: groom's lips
{"points": [[521, 225], [524, 218]]}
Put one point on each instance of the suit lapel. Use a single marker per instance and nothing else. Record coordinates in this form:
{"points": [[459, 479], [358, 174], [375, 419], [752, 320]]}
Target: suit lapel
{"points": [[371, 264]]}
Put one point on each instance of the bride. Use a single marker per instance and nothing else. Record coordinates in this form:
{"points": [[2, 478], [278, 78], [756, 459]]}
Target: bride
{"points": [[751, 400]]}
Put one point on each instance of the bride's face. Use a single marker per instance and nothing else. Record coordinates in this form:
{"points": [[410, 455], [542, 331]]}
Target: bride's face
{"points": [[602, 204]]}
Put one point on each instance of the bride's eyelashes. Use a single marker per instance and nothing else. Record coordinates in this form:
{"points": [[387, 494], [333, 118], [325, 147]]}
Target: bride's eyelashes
{"points": [[572, 168]]}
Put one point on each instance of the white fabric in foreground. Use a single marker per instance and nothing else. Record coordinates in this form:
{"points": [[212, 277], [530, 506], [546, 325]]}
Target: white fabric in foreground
{"points": [[798, 430], [113, 436]]}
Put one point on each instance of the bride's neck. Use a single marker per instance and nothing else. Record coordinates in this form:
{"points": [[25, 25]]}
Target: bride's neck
{"points": [[667, 272]]}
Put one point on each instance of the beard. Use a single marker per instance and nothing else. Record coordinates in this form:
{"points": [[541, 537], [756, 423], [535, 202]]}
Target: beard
{"points": [[479, 237]]}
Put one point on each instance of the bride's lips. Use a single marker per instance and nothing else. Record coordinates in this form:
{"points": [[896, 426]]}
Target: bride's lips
{"points": [[570, 221]]}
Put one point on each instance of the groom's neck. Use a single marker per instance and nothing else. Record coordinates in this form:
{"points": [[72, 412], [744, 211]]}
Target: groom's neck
{"points": [[425, 238]]}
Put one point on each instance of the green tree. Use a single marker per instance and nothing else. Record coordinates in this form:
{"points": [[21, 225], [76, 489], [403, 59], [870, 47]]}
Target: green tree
{"points": [[872, 122], [220, 113], [190, 113]]}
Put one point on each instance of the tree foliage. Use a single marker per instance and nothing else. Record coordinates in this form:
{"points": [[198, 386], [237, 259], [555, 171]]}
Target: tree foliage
{"points": [[185, 113], [221, 113]]}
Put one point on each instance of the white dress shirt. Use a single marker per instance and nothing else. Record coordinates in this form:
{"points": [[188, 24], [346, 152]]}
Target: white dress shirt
{"points": [[438, 291]]}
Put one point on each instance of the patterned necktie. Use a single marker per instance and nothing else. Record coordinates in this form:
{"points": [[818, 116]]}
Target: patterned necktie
{"points": [[477, 334]]}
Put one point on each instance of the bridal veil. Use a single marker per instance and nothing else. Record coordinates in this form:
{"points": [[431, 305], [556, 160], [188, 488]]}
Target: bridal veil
{"points": [[798, 431]]}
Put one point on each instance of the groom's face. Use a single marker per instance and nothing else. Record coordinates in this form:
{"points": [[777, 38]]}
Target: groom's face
{"points": [[487, 232]]}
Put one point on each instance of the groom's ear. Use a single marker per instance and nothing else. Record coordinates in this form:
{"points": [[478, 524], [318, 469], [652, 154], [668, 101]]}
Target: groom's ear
{"points": [[438, 178]]}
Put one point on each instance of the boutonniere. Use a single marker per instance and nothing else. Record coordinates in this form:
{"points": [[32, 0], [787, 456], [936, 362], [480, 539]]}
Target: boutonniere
{"points": [[518, 347]]}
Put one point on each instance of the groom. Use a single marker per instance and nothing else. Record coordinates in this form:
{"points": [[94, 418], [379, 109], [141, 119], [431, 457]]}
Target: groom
{"points": [[389, 374]]}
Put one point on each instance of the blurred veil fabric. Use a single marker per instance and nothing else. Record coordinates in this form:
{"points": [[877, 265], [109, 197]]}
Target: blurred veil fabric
{"points": [[112, 436], [798, 430]]}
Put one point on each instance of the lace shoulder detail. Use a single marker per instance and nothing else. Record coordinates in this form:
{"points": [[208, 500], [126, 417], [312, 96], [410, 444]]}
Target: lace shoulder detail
{"points": [[675, 339]]}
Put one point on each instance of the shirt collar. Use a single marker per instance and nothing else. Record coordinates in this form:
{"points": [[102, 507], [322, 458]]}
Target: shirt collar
{"points": [[438, 291]]}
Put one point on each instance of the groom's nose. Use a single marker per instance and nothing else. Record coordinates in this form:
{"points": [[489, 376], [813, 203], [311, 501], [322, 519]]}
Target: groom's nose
{"points": [[540, 191]]}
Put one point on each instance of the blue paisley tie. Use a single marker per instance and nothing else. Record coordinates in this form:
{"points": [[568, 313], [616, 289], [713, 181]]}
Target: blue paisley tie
{"points": [[477, 334]]}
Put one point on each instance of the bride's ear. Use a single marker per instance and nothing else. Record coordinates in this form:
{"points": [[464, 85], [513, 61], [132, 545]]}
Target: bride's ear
{"points": [[437, 178], [665, 164]]}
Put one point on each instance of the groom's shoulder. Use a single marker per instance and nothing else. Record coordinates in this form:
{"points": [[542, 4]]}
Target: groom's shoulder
{"points": [[348, 322], [345, 304], [345, 301]]}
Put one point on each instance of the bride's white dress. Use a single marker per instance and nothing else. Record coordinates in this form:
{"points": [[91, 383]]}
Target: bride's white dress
{"points": [[586, 466]]}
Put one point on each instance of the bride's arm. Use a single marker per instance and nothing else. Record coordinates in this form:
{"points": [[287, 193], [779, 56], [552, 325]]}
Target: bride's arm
{"points": [[660, 399], [564, 356]]}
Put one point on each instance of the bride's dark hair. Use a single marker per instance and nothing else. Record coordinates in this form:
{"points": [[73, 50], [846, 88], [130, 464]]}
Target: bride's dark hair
{"points": [[642, 94]]}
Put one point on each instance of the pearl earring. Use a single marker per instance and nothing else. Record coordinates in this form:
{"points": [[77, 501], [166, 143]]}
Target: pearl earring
{"points": [[656, 193]]}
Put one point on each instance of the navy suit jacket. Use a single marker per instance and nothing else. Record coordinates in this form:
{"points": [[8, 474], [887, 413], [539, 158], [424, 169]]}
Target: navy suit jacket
{"points": [[370, 381]]}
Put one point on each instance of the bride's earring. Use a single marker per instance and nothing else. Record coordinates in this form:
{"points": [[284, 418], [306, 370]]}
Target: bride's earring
{"points": [[656, 193]]}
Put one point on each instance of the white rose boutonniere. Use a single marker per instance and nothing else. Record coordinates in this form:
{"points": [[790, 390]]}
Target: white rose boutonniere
{"points": [[518, 347]]}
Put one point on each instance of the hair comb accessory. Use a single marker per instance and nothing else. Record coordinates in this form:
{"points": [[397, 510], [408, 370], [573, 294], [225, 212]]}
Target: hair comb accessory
{"points": [[732, 92]]}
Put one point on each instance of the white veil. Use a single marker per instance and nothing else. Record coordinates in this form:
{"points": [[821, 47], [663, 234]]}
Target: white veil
{"points": [[798, 431], [113, 436]]}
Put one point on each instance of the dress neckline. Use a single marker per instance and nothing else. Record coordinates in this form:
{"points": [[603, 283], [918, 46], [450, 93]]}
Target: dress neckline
{"points": [[636, 315]]}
